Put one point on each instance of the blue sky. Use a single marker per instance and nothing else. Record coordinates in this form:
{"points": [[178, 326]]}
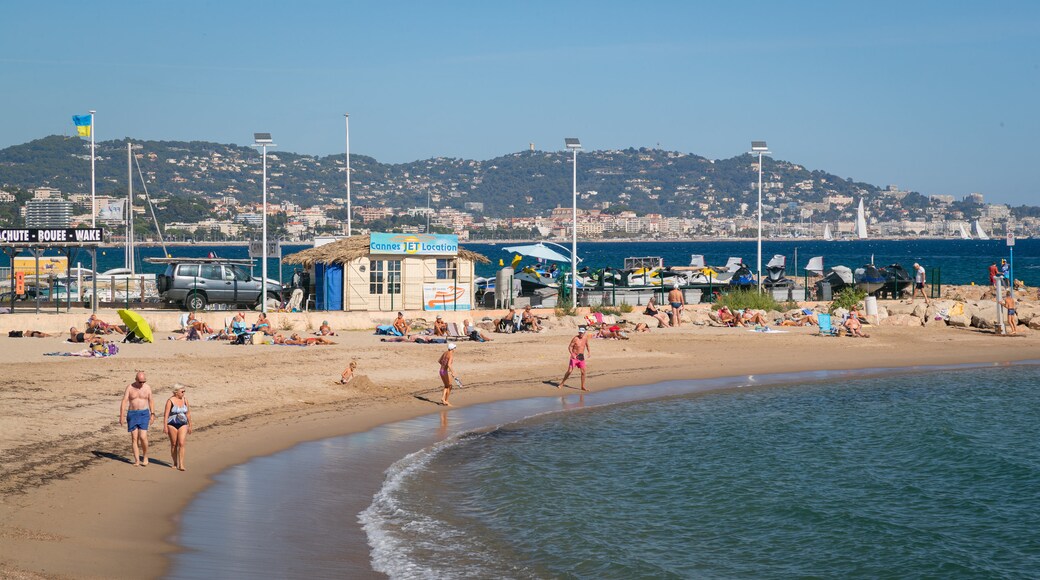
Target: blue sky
{"points": [[938, 97]]}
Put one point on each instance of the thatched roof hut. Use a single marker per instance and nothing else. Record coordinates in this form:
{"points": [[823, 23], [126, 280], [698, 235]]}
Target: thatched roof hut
{"points": [[347, 249]]}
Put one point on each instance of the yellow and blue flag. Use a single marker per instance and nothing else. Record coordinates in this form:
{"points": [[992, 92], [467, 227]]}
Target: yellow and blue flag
{"points": [[82, 123]]}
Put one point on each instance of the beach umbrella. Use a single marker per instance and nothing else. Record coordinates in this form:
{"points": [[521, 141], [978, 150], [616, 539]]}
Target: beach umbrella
{"points": [[135, 323]]}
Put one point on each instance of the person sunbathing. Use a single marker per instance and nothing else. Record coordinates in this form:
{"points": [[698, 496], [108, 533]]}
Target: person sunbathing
{"points": [[325, 329], [35, 334], [529, 321], [440, 328], [76, 336], [296, 339], [727, 317], [97, 326], [611, 332], [401, 325], [506, 322], [799, 320], [641, 327], [263, 325], [752, 317], [474, 333], [653, 311], [199, 325], [853, 324]]}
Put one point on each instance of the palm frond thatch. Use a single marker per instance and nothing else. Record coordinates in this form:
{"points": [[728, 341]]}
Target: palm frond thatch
{"points": [[348, 249]]}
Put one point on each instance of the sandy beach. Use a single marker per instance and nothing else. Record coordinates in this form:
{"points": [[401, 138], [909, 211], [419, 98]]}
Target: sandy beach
{"points": [[73, 506]]}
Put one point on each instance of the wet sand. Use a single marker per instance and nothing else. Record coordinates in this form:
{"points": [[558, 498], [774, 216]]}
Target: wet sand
{"points": [[73, 506]]}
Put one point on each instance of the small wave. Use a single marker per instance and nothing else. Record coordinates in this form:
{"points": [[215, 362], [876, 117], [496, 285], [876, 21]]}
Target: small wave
{"points": [[408, 543]]}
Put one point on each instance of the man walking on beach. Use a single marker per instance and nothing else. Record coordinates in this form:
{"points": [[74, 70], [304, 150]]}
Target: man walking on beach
{"points": [[579, 352], [919, 284], [677, 302], [139, 409], [447, 371]]}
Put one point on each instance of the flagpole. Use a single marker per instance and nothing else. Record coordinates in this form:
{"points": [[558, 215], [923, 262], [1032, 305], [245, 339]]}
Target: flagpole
{"points": [[93, 208]]}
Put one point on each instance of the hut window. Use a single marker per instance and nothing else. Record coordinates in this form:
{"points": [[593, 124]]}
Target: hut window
{"points": [[384, 277], [445, 268]]}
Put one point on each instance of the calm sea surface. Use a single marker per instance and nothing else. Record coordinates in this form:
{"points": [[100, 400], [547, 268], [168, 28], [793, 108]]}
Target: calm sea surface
{"points": [[934, 473], [929, 475], [959, 261]]}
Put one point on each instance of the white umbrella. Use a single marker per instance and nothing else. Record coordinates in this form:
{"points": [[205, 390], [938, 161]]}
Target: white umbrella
{"points": [[539, 250]]}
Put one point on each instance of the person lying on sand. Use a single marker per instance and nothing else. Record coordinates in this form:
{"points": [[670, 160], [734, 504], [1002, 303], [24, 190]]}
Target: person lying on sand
{"points": [[28, 334], [296, 339], [416, 338], [611, 332], [76, 336]]}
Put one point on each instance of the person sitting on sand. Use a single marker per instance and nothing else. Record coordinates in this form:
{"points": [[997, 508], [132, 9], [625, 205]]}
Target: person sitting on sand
{"points": [[348, 374], [474, 333], [440, 328], [98, 326], [178, 424], [198, 325], [401, 325], [752, 317], [506, 323], [654, 312], [325, 329], [76, 336], [853, 324], [263, 324], [528, 321]]}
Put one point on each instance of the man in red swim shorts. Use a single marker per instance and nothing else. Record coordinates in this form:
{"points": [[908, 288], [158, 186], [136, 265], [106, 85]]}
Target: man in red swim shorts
{"points": [[579, 352]]}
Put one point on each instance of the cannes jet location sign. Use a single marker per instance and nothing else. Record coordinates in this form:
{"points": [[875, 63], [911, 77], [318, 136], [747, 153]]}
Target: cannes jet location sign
{"points": [[414, 244], [52, 236]]}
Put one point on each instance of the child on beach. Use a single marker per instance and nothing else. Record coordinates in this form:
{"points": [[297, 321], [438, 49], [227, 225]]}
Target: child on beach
{"points": [[348, 374]]}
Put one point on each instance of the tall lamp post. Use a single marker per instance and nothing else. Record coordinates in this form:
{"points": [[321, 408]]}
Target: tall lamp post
{"points": [[346, 119], [263, 141], [573, 144], [759, 147]]}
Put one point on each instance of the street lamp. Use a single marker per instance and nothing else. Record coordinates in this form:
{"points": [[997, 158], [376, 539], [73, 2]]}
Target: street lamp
{"points": [[346, 120], [760, 148], [263, 141], [573, 144]]}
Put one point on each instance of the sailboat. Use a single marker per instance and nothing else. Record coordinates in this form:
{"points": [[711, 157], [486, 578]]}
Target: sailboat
{"points": [[979, 232], [964, 233], [861, 222], [827, 233]]}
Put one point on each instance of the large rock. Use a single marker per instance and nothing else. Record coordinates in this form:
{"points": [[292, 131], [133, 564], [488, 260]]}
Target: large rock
{"points": [[900, 308], [959, 320], [900, 320], [982, 322], [1034, 323], [1027, 312]]}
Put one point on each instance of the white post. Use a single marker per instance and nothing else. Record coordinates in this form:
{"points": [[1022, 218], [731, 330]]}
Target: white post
{"points": [[574, 233], [346, 118], [1000, 310], [128, 259], [263, 267], [760, 222], [93, 210]]}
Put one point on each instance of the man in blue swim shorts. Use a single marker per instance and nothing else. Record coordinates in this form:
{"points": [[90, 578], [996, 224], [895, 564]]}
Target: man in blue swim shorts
{"points": [[138, 408]]}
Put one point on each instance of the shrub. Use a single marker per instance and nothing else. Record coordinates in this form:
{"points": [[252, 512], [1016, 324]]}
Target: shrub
{"points": [[847, 298], [743, 299], [564, 307], [623, 308]]}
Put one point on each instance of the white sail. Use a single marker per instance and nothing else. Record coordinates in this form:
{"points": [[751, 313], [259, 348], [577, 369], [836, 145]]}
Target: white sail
{"points": [[861, 222], [827, 232], [979, 232], [964, 233]]}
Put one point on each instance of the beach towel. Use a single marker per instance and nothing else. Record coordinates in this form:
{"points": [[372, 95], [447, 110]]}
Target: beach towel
{"points": [[388, 329], [766, 330]]}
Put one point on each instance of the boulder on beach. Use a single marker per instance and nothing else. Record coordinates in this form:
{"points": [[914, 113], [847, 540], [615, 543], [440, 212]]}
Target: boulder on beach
{"points": [[959, 320]]}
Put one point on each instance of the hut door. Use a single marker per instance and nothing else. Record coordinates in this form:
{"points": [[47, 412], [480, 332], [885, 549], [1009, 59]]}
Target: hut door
{"points": [[384, 284]]}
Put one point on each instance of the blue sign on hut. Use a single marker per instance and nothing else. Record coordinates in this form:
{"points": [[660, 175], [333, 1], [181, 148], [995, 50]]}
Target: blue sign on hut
{"points": [[387, 272]]}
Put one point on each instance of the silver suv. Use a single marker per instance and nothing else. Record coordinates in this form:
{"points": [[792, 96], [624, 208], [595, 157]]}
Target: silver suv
{"points": [[193, 283]]}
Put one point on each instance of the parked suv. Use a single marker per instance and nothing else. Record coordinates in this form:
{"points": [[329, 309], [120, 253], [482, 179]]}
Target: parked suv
{"points": [[195, 282]]}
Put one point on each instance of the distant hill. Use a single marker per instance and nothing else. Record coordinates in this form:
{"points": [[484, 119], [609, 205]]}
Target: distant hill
{"points": [[185, 174]]}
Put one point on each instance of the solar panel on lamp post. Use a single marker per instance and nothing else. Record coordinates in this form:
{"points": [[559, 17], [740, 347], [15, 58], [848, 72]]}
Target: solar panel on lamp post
{"points": [[573, 144], [759, 148], [263, 141]]}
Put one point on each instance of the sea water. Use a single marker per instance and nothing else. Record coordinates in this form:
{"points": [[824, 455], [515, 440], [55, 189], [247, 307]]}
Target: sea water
{"points": [[958, 261], [932, 474]]}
